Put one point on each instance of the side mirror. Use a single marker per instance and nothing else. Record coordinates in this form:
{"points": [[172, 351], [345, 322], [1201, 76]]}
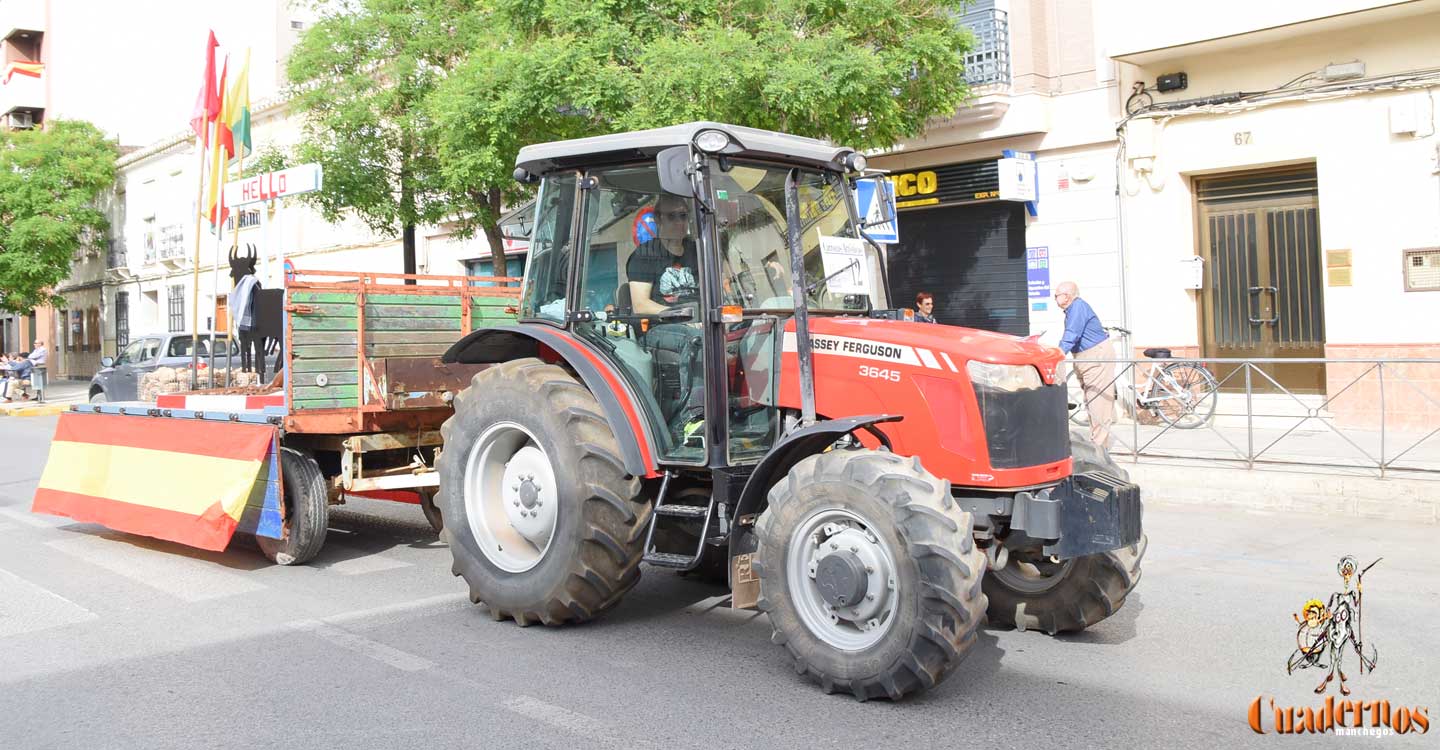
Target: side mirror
{"points": [[673, 165], [107, 361]]}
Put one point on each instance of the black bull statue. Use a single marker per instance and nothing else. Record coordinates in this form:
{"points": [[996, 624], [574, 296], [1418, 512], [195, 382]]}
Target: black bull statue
{"points": [[266, 312]]}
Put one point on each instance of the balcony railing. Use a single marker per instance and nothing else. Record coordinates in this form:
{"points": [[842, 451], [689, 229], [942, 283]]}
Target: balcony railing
{"points": [[988, 62], [22, 94]]}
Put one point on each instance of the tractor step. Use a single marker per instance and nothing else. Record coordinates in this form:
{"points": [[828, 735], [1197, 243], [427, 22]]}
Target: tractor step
{"points": [[683, 511], [663, 513], [671, 560]]}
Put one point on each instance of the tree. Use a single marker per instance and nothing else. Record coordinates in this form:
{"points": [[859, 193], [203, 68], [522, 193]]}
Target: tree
{"points": [[865, 73], [49, 182], [360, 78]]}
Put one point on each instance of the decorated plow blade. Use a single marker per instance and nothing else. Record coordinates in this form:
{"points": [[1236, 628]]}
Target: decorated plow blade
{"points": [[364, 394]]}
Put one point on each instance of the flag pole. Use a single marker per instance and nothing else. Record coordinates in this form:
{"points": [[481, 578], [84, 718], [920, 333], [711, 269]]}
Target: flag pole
{"points": [[215, 277], [195, 303], [233, 330]]}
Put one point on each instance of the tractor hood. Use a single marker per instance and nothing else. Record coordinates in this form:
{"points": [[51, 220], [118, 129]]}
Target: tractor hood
{"points": [[931, 346]]}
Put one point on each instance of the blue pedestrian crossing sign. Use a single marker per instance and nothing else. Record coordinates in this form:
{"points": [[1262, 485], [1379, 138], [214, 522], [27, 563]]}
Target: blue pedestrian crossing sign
{"points": [[869, 211]]}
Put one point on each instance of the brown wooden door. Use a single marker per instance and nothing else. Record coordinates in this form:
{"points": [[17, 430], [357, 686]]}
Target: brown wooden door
{"points": [[1263, 298], [222, 314]]}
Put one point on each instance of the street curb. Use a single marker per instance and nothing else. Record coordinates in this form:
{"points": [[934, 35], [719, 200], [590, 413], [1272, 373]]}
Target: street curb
{"points": [[40, 410], [1328, 494]]}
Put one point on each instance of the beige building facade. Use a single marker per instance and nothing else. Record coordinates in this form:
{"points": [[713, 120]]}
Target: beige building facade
{"points": [[1297, 168]]}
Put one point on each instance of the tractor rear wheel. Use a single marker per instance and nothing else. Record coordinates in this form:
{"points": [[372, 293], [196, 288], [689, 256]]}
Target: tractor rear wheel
{"points": [[1069, 595], [542, 520], [869, 573]]}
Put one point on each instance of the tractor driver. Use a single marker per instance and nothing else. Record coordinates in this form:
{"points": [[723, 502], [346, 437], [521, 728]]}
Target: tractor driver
{"points": [[664, 271]]}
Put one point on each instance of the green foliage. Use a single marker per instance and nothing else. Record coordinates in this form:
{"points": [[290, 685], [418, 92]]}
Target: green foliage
{"points": [[864, 73], [49, 182], [360, 76], [418, 108]]}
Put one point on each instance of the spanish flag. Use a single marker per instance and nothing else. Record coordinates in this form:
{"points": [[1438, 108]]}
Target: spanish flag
{"points": [[215, 207], [30, 69], [187, 481]]}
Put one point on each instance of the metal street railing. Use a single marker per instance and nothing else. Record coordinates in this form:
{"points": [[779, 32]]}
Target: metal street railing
{"points": [[1375, 414]]}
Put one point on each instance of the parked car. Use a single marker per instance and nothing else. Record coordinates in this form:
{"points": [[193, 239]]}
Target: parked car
{"points": [[119, 377]]}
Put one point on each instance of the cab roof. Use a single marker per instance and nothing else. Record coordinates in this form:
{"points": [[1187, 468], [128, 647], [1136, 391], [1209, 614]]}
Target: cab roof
{"points": [[644, 144]]}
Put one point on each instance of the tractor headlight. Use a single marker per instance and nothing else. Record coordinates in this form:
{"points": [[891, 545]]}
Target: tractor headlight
{"points": [[1004, 377], [712, 141]]}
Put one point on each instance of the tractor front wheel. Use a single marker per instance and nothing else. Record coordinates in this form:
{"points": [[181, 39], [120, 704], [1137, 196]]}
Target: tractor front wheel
{"points": [[543, 521], [869, 573], [1064, 596]]}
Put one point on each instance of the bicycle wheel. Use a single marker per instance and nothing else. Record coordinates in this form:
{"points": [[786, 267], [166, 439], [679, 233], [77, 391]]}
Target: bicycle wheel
{"points": [[1187, 393]]}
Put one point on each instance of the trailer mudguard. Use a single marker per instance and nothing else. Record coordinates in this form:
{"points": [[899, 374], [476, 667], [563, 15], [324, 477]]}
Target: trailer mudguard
{"points": [[617, 400]]}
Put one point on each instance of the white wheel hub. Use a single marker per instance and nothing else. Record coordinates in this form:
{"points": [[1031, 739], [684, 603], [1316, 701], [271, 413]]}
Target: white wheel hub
{"points": [[511, 497]]}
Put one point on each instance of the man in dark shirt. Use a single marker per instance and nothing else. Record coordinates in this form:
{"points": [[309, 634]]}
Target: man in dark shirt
{"points": [[665, 271], [1086, 340]]}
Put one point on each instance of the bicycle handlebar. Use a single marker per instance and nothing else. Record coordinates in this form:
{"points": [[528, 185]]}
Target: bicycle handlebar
{"points": [[1118, 329]]}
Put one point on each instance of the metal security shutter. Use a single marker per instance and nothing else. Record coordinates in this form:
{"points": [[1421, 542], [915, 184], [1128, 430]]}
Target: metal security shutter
{"points": [[972, 258]]}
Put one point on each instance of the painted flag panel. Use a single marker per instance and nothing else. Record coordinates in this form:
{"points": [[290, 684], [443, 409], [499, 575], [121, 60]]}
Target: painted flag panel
{"points": [[181, 480]]}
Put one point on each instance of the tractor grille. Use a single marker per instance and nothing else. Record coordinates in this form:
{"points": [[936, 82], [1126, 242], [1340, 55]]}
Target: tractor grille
{"points": [[1025, 428]]}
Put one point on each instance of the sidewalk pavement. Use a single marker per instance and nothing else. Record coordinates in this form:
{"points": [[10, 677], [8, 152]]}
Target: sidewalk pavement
{"points": [[59, 395]]}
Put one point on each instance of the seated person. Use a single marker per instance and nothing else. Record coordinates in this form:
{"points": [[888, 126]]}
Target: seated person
{"points": [[665, 271], [19, 379]]}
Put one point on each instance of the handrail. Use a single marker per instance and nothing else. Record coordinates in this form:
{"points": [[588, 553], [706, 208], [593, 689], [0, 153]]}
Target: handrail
{"points": [[1247, 378]]}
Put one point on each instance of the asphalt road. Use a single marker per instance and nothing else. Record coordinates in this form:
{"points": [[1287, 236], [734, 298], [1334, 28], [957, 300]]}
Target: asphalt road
{"points": [[112, 641]]}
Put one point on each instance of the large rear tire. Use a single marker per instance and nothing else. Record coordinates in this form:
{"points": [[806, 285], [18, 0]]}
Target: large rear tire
{"points": [[1070, 595], [307, 511], [543, 521], [869, 573]]}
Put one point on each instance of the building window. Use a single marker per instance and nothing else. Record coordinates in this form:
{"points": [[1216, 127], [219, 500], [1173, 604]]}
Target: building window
{"points": [[297, 25], [248, 218], [177, 308], [1422, 270], [988, 61], [115, 255], [92, 330], [122, 320], [486, 267]]}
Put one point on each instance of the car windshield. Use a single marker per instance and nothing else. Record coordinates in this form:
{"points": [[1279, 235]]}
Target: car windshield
{"points": [[842, 271]]}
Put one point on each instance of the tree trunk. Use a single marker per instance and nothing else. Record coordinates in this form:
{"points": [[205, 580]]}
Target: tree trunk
{"points": [[500, 265], [408, 240]]}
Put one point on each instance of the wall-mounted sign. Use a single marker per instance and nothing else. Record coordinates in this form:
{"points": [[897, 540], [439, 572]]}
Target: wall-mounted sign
{"points": [[306, 178], [1017, 179], [1037, 277], [969, 182]]}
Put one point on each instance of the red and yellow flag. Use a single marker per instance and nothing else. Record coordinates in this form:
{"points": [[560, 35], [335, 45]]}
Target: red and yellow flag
{"points": [[215, 204], [207, 100], [182, 480], [31, 69]]}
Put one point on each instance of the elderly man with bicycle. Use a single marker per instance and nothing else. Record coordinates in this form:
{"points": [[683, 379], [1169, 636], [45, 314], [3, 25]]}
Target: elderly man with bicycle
{"points": [[1085, 339]]}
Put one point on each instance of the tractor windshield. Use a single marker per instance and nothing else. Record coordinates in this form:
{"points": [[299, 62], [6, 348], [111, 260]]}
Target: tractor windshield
{"points": [[842, 270]]}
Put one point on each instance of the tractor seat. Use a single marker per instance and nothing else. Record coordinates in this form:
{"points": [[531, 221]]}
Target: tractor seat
{"points": [[1158, 353]]}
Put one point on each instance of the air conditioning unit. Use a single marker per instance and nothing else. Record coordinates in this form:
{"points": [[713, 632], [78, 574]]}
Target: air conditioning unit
{"points": [[22, 120]]}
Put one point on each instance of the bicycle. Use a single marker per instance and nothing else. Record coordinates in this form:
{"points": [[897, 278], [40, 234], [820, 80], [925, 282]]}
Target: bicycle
{"points": [[1180, 392]]}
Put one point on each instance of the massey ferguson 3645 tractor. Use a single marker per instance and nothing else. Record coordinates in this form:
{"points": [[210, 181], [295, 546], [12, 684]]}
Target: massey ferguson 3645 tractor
{"points": [[708, 374]]}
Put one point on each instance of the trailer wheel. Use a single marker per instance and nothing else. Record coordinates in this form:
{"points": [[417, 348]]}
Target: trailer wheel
{"points": [[543, 522], [307, 511], [869, 573], [432, 513], [1070, 595]]}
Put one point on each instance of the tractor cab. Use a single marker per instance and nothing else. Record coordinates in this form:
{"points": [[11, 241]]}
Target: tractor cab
{"points": [[669, 251]]}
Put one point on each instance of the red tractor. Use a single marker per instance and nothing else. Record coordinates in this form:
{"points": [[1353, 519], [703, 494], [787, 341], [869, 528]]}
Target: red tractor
{"points": [[708, 374]]}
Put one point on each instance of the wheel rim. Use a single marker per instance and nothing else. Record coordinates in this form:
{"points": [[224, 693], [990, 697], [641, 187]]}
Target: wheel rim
{"points": [[511, 502], [1187, 406], [1033, 576], [835, 556]]}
